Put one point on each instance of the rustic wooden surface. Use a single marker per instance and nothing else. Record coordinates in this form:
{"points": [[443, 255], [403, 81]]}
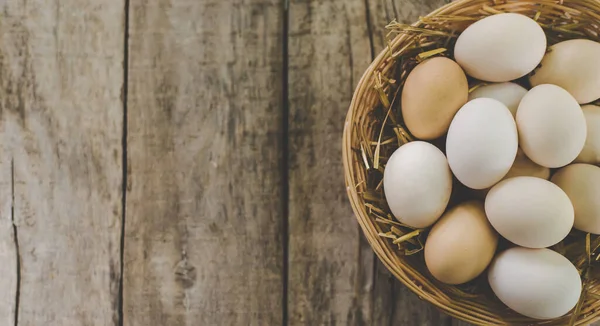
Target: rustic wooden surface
{"points": [[61, 78], [203, 224], [177, 162]]}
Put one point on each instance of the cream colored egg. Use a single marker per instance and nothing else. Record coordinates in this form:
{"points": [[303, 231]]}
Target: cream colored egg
{"points": [[482, 143], [530, 212], [417, 184], [537, 283], [434, 90], [501, 47], [461, 244], [523, 167], [574, 66], [581, 182], [510, 94], [591, 150], [552, 127]]}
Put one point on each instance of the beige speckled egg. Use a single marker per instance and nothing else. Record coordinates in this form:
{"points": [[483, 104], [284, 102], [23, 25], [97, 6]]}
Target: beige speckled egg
{"points": [[574, 66], [501, 47], [417, 183], [591, 150], [434, 90], [581, 182], [552, 127], [461, 244], [510, 94], [530, 212], [537, 283]]}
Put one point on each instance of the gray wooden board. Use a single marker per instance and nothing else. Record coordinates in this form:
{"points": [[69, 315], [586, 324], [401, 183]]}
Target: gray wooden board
{"points": [[61, 78], [330, 270], [204, 234]]}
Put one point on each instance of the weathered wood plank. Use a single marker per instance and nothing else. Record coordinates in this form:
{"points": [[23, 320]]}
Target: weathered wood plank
{"points": [[61, 77], [204, 241], [330, 266]]}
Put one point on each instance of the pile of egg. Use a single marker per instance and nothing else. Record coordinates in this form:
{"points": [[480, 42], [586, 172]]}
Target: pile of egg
{"points": [[532, 155]]}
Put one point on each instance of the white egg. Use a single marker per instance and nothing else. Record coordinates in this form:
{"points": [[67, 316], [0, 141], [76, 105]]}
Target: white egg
{"points": [[417, 184], [552, 127], [591, 150], [501, 47], [581, 182], [510, 94], [482, 143], [530, 212], [574, 66], [537, 283]]}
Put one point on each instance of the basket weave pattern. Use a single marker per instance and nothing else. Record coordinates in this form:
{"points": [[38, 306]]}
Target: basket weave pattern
{"points": [[365, 148]]}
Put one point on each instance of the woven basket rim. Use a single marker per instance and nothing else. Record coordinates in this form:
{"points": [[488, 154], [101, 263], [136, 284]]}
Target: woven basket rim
{"points": [[478, 315]]}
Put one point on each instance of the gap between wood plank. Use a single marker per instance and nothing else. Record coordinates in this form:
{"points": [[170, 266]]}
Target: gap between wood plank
{"points": [[124, 97], [285, 186], [16, 239]]}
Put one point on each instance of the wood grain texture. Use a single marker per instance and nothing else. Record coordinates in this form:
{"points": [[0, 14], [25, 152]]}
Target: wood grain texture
{"points": [[204, 238], [61, 77], [330, 268]]}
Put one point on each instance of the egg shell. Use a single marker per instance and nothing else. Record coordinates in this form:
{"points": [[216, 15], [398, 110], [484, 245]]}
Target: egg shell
{"points": [[482, 143], [581, 182], [522, 167], [530, 212], [537, 283], [501, 47], [434, 90], [591, 150], [552, 127], [417, 184], [510, 94], [574, 66], [461, 244]]}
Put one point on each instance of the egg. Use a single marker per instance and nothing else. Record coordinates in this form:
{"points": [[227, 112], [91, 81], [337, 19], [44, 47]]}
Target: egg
{"points": [[461, 244], [523, 167], [510, 94], [482, 143], [591, 150], [530, 212], [417, 184], [581, 182], [537, 283], [552, 127], [574, 66], [433, 92], [501, 47]]}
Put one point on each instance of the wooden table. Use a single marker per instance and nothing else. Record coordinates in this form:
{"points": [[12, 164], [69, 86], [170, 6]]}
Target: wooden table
{"points": [[178, 162]]}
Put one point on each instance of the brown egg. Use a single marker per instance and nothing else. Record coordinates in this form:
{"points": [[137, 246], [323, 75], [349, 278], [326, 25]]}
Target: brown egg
{"points": [[432, 94], [461, 244]]}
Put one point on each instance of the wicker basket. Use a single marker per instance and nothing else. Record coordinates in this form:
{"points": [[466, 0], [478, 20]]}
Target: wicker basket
{"points": [[374, 129]]}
